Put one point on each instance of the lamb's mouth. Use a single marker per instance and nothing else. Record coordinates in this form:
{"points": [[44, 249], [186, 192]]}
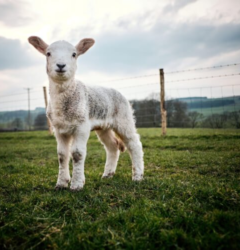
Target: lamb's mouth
{"points": [[59, 71]]}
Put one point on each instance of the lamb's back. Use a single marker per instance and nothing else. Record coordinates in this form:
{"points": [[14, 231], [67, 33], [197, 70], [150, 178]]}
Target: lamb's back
{"points": [[105, 102]]}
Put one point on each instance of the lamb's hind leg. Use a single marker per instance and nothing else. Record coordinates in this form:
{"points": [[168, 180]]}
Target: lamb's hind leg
{"points": [[132, 141], [113, 146], [63, 144]]}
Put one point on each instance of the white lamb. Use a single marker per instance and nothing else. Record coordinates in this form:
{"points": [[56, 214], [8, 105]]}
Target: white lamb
{"points": [[76, 109]]}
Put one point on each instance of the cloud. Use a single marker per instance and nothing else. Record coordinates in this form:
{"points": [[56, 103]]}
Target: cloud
{"points": [[14, 55], [138, 49], [177, 5], [14, 13]]}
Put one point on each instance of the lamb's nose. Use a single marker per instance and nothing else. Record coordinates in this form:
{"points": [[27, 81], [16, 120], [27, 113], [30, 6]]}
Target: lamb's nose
{"points": [[61, 66]]}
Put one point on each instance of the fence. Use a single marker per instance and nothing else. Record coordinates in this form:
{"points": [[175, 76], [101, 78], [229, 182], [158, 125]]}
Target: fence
{"points": [[206, 97]]}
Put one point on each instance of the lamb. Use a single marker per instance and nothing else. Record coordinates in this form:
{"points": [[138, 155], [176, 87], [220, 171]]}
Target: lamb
{"points": [[75, 110]]}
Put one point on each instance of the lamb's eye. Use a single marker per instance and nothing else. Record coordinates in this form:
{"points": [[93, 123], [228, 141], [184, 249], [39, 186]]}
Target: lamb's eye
{"points": [[48, 54], [74, 55]]}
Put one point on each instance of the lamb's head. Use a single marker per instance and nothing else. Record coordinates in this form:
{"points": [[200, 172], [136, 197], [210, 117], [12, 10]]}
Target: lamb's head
{"points": [[61, 57]]}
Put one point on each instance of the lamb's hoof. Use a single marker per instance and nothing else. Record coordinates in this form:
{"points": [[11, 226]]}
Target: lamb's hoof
{"points": [[137, 177], [62, 184], [109, 175], [59, 187], [76, 189]]}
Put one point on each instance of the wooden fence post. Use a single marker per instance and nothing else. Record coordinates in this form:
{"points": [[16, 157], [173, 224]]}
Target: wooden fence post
{"points": [[46, 103], [162, 103]]}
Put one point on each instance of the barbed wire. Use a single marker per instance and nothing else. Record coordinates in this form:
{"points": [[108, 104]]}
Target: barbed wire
{"points": [[201, 78], [196, 69], [23, 100], [139, 85], [153, 108], [150, 115], [147, 84], [144, 76], [21, 93], [25, 93], [219, 86], [170, 72], [143, 85], [128, 78], [181, 80], [157, 123]]}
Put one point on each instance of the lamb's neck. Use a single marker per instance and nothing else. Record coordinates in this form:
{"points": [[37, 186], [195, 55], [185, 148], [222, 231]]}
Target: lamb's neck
{"points": [[58, 89]]}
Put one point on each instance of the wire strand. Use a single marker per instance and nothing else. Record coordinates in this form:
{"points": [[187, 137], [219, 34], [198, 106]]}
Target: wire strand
{"points": [[204, 87], [23, 100], [196, 69], [24, 93], [128, 78], [201, 78], [170, 72]]}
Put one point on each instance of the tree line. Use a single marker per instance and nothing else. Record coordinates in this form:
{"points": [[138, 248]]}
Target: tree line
{"points": [[147, 114], [38, 122]]}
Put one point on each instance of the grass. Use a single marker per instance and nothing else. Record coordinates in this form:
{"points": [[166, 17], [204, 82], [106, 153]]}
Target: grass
{"points": [[189, 199]]}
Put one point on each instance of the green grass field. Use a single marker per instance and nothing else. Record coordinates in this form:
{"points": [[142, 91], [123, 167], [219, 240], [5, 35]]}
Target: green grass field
{"points": [[189, 199]]}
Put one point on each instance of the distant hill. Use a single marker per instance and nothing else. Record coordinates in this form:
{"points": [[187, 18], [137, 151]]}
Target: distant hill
{"points": [[209, 106], [7, 118], [22, 114], [190, 99]]}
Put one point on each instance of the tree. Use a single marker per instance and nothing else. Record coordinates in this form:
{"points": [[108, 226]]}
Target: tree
{"points": [[177, 114], [235, 117], [146, 112], [216, 120], [40, 121], [17, 123], [194, 118]]}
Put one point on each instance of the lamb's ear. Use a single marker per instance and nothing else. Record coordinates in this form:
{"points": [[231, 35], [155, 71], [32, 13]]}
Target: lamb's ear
{"points": [[38, 43], [84, 45]]}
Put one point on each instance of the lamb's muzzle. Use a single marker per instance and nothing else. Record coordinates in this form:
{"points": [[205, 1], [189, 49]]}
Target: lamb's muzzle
{"points": [[60, 68], [75, 109]]}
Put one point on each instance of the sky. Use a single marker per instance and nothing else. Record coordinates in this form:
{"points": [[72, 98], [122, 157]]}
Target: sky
{"points": [[132, 38]]}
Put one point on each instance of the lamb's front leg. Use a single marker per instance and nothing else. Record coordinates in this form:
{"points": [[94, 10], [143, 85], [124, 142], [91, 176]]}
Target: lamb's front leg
{"points": [[63, 150], [79, 148]]}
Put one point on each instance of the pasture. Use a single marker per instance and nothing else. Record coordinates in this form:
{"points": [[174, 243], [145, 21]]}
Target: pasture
{"points": [[189, 198]]}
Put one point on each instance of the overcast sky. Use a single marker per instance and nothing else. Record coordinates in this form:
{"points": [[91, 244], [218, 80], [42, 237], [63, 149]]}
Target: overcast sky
{"points": [[133, 38]]}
